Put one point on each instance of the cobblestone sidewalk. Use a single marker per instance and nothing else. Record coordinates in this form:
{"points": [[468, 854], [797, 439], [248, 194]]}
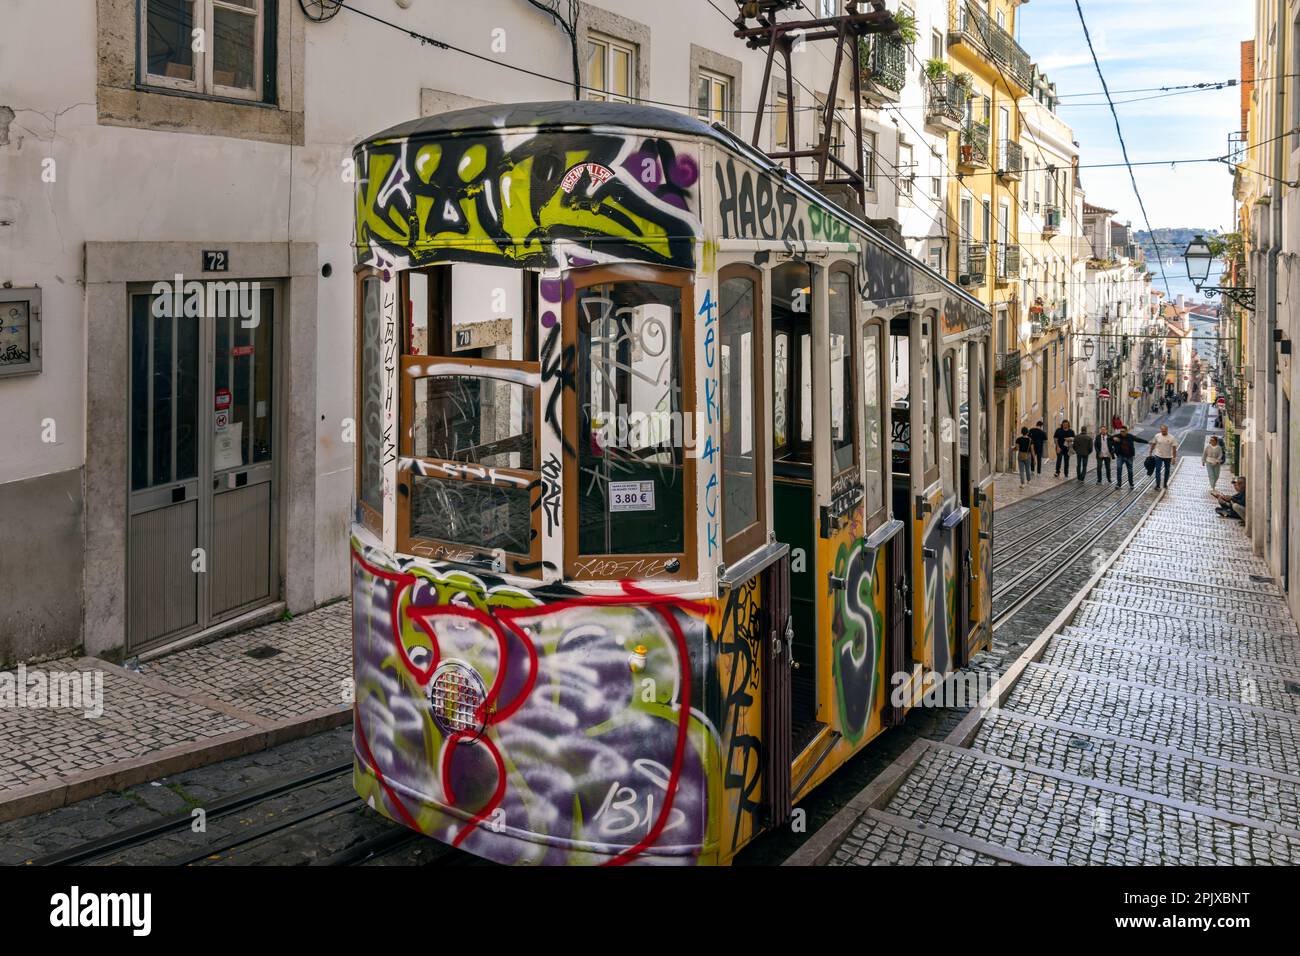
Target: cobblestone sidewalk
{"points": [[199, 705], [1161, 726]]}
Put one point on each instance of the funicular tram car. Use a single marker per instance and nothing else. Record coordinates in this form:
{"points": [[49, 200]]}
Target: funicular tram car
{"points": [[673, 483]]}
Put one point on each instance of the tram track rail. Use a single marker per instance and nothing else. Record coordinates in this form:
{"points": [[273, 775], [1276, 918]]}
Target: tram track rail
{"points": [[1048, 563], [1069, 506]]}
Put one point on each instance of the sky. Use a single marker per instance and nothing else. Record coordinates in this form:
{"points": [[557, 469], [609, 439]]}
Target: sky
{"points": [[1139, 44]]}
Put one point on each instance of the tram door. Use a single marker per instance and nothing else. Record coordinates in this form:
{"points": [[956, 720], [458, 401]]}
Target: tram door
{"points": [[202, 504]]}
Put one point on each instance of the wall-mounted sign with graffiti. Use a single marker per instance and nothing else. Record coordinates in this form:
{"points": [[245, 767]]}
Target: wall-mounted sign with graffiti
{"points": [[523, 197]]}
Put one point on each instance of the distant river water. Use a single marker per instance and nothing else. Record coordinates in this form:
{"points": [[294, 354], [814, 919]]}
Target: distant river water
{"points": [[1175, 270]]}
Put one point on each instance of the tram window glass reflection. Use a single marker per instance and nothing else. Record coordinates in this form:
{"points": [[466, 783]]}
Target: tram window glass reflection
{"points": [[925, 393], [947, 438], [843, 442], [468, 474], [872, 432], [963, 402], [630, 415], [792, 300], [371, 395], [900, 396], [743, 485], [982, 401]]}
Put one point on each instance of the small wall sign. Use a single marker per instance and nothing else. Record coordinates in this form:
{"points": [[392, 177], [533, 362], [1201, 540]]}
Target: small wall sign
{"points": [[631, 496], [216, 260]]}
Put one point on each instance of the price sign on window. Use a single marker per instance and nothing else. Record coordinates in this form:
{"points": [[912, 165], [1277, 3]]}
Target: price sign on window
{"points": [[631, 496]]}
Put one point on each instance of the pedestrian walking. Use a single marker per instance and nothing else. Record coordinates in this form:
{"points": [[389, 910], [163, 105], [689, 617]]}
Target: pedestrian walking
{"points": [[1123, 447], [1038, 435], [1116, 423], [1101, 447], [1082, 449], [1063, 436], [1025, 456], [1212, 459], [1164, 449]]}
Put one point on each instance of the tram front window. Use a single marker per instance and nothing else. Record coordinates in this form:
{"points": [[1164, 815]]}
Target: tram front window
{"points": [[468, 479], [630, 421]]}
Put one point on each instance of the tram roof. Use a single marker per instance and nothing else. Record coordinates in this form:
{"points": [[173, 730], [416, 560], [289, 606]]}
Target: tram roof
{"points": [[573, 114]]}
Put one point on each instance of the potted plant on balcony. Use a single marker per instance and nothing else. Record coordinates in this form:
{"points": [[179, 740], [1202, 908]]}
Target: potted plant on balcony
{"points": [[935, 69], [968, 144], [906, 23]]}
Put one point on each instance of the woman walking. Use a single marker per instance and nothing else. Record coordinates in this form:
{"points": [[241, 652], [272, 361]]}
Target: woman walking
{"points": [[1025, 456], [1212, 459]]}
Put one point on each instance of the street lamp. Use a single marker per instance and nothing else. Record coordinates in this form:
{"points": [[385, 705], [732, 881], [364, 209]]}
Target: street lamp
{"points": [[1199, 259], [1087, 348]]}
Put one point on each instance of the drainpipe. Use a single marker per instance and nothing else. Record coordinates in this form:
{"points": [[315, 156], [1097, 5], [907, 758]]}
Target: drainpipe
{"points": [[1268, 352]]}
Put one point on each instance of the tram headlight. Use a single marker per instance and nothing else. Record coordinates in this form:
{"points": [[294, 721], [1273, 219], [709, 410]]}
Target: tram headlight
{"points": [[456, 695]]}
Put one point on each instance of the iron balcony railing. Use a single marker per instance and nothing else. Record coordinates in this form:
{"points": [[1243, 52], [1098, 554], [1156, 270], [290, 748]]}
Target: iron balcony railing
{"points": [[1008, 261], [945, 103], [972, 259], [1006, 374], [973, 26], [886, 67], [1051, 220], [975, 144], [1011, 159]]}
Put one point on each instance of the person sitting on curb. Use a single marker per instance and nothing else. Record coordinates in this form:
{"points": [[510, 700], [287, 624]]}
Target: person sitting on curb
{"points": [[1233, 506]]}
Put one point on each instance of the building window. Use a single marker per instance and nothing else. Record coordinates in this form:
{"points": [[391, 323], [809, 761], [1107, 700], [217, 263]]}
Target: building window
{"points": [[781, 123], [20, 331], [829, 8], [869, 160], [936, 187], [611, 65], [936, 45], [935, 258], [212, 47], [713, 98], [906, 170]]}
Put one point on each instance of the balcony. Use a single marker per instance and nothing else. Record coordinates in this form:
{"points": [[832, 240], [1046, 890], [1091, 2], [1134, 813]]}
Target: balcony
{"points": [[945, 104], [972, 262], [1006, 373], [974, 149], [1008, 264], [883, 67], [1051, 221], [971, 26], [1011, 159]]}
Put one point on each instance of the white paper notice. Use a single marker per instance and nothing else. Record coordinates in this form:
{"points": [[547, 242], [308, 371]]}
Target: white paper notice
{"points": [[228, 448], [631, 496]]}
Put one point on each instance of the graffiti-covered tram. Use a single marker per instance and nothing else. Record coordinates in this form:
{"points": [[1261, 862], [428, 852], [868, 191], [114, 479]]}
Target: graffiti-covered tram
{"points": [[673, 484]]}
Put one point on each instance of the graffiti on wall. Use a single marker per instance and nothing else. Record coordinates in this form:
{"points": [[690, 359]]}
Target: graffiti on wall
{"points": [[858, 623], [527, 198], [738, 638]]}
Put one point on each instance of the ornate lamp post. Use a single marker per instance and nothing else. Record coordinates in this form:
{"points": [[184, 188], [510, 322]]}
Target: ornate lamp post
{"points": [[1199, 259]]}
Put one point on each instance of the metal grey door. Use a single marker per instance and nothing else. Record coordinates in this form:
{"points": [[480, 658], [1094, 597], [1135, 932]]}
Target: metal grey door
{"points": [[202, 511]]}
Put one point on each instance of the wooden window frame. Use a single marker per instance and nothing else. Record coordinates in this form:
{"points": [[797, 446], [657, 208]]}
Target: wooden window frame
{"points": [[878, 329], [851, 385], [754, 535], [616, 566], [368, 517], [716, 80], [204, 83], [435, 549], [933, 375], [608, 45]]}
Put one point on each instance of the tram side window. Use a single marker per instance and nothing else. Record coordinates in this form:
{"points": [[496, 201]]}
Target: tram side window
{"points": [[947, 423], [900, 396], [843, 426], [632, 480], [469, 310], [981, 391], [927, 366], [370, 389], [744, 508], [792, 367], [871, 393]]}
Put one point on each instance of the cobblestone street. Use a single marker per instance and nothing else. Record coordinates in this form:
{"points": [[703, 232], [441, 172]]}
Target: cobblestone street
{"points": [[1160, 726]]}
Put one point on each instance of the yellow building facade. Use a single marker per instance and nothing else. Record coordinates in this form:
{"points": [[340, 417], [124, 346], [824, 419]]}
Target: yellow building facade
{"points": [[983, 197]]}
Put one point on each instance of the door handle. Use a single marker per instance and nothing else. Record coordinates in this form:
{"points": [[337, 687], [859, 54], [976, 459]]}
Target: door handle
{"points": [[837, 584]]}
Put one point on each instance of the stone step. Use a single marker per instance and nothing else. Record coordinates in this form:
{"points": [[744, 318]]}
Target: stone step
{"points": [[1053, 815], [1241, 734], [1160, 771], [1206, 679], [1144, 618], [1212, 585], [1248, 648], [1121, 592]]}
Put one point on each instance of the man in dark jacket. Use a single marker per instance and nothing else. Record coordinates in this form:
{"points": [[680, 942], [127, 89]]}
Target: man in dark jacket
{"points": [[1064, 436], [1082, 449], [1123, 448], [1038, 436]]}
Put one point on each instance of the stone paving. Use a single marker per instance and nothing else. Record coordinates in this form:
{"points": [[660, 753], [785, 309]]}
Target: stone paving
{"points": [[1161, 725], [179, 710]]}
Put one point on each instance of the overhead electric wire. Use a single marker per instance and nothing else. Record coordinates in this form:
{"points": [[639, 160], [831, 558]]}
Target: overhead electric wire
{"points": [[1155, 243]]}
